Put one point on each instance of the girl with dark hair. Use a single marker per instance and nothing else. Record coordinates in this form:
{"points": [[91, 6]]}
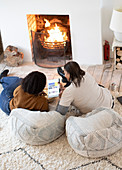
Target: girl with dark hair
{"points": [[83, 92], [24, 93]]}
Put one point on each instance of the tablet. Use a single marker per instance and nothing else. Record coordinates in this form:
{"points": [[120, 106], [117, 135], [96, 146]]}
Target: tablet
{"points": [[53, 88]]}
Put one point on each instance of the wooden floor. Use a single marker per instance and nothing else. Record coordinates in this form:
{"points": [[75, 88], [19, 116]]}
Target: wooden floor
{"points": [[103, 74]]}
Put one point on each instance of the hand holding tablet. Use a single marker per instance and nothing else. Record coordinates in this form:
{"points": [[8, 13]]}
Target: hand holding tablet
{"points": [[53, 88]]}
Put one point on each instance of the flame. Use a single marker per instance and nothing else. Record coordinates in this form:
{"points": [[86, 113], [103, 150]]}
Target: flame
{"points": [[47, 24], [55, 34]]}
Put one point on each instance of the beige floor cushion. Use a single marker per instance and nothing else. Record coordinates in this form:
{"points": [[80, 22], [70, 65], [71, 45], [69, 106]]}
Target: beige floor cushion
{"points": [[35, 127], [96, 135]]}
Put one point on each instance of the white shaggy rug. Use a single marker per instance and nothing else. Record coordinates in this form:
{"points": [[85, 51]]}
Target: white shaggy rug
{"points": [[58, 155]]}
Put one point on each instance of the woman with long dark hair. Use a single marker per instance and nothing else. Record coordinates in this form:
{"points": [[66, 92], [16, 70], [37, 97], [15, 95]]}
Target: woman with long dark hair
{"points": [[24, 93], [83, 92]]}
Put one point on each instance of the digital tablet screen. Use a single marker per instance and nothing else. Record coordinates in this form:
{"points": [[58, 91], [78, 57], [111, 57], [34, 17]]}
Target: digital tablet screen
{"points": [[53, 88]]}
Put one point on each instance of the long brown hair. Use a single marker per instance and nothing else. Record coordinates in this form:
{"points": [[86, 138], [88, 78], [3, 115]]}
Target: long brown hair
{"points": [[76, 73]]}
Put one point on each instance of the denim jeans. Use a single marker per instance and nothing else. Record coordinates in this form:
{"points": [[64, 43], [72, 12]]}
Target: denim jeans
{"points": [[9, 84]]}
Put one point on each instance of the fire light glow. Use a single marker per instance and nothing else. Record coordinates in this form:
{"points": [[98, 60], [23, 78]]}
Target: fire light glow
{"points": [[55, 34]]}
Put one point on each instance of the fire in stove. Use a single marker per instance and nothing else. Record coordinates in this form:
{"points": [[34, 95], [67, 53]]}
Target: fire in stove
{"points": [[51, 41], [56, 34]]}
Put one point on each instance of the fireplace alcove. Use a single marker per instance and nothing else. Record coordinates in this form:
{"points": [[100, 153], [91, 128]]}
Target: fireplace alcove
{"points": [[50, 39]]}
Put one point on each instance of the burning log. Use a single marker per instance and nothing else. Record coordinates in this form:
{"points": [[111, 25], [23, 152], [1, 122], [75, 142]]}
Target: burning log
{"points": [[12, 57]]}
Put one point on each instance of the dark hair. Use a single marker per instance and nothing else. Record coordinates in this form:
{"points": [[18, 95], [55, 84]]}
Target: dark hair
{"points": [[34, 83], [76, 73]]}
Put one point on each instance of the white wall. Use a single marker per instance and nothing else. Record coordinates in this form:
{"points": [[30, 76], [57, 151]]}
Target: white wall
{"points": [[107, 7], [85, 20]]}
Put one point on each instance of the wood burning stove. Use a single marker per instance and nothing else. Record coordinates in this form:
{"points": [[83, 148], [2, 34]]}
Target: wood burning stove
{"points": [[51, 41]]}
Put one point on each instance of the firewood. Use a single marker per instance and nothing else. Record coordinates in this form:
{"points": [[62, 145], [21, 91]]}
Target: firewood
{"points": [[12, 57]]}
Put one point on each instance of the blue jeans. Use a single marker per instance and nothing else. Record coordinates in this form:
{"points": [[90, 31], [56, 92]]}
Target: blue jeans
{"points": [[9, 84]]}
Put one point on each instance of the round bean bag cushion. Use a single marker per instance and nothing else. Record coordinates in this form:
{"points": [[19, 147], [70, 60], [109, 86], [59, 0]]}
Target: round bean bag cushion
{"points": [[97, 134], [35, 127]]}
